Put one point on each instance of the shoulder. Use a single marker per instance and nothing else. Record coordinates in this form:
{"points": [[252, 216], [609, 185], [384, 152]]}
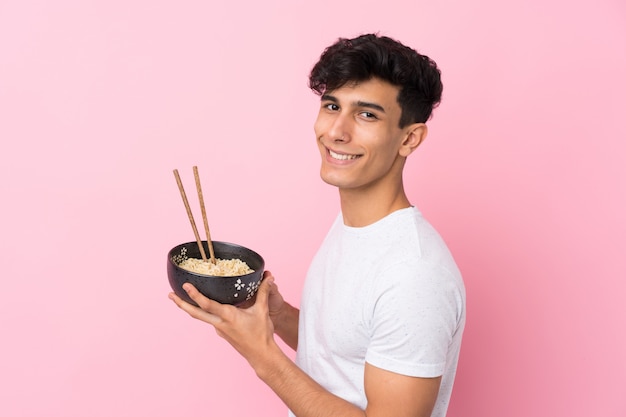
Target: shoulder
{"points": [[413, 248], [416, 272]]}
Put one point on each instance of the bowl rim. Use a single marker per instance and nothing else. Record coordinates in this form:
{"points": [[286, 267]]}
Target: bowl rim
{"points": [[219, 242]]}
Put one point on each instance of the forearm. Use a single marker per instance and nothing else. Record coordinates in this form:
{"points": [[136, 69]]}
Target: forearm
{"points": [[286, 324], [303, 396]]}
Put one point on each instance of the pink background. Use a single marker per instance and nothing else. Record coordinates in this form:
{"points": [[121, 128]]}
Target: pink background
{"points": [[523, 174]]}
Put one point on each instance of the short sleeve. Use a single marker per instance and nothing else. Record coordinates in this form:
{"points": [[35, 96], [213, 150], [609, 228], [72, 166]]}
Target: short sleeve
{"points": [[416, 312]]}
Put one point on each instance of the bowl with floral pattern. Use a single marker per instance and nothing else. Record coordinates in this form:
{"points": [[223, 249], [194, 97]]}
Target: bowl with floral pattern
{"points": [[232, 284]]}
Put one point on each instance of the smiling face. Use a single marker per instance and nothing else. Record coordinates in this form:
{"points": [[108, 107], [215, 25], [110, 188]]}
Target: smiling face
{"points": [[359, 138]]}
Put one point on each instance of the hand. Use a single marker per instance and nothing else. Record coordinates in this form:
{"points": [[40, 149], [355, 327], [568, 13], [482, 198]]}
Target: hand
{"points": [[284, 316], [249, 330], [275, 302]]}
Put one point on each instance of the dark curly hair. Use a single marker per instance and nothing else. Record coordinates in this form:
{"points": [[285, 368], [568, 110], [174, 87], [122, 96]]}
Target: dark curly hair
{"points": [[371, 55]]}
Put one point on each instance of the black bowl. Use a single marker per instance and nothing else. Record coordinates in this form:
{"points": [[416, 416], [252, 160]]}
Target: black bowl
{"points": [[225, 290]]}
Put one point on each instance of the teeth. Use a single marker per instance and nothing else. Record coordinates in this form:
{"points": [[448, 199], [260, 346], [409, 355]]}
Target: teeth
{"points": [[342, 157]]}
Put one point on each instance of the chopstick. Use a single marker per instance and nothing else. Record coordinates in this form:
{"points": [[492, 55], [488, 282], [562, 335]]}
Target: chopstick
{"points": [[204, 218], [190, 215]]}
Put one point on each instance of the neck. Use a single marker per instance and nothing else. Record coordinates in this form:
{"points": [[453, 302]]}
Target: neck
{"points": [[364, 207]]}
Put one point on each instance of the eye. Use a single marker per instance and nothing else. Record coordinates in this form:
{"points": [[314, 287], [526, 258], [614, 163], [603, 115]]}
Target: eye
{"points": [[368, 115], [330, 106]]}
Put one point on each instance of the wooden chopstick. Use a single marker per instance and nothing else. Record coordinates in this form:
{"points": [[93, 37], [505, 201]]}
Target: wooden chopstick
{"points": [[190, 215], [204, 217]]}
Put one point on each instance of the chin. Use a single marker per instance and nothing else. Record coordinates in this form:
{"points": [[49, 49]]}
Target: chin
{"points": [[329, 179], [336, 180]]}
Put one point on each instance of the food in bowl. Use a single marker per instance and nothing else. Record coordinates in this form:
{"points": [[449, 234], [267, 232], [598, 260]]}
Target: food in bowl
{"points": [[221, 267]]}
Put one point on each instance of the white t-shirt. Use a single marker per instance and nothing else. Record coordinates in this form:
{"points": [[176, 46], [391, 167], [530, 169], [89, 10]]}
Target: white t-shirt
{"points": [[390, 294]]}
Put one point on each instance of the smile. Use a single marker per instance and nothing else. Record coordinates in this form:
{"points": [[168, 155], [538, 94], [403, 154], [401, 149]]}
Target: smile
{"points": [[342, 157]]}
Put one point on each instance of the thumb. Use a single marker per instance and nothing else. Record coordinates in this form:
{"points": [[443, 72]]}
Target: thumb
{"points": [[264, 290]]}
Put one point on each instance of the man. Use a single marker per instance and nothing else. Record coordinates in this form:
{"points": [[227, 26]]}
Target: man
{"points": [[383, 307]]}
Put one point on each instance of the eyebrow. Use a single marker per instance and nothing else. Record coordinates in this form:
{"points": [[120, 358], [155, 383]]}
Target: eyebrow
{"points": [[366, 104]]}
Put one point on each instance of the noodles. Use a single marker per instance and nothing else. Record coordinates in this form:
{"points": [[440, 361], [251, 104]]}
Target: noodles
{"points": [[221, 267]]}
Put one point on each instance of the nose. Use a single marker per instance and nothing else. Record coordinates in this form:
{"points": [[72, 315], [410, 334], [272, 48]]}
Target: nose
{"points": [[338, 130]]}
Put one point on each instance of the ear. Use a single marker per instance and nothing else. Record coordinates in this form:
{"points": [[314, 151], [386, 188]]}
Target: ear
{"points": [[415, 135]]}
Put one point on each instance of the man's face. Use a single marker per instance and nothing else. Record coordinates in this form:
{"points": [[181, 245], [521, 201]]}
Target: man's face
{"points": [[358, 135]]}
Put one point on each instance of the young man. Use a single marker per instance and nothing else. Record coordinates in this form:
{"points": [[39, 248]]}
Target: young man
{"points": [[383, 307]]}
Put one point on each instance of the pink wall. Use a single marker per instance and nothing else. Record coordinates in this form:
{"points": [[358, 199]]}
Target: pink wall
{"points": [[522, 173]]}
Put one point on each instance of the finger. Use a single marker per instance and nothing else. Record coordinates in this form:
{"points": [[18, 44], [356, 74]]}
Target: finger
{"points": [[182, 304], [193, 311], [177, 300], [264, 289], [268, 277], [206, 304]]}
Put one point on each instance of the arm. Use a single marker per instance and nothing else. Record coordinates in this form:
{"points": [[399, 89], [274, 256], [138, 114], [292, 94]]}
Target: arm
{"points": [[391, 394], [388, 394], [250, 331]]}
